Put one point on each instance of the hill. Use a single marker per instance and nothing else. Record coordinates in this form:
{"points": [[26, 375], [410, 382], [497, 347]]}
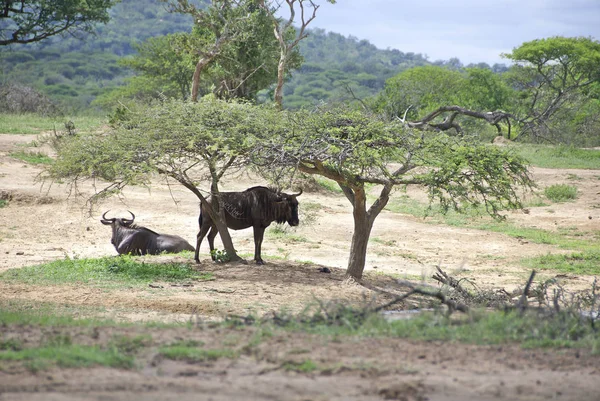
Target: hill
{"points": [[74, 72]]}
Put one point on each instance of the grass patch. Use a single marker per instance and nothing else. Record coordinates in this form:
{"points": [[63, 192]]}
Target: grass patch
{"points": [[577, 263], [476, 218], [191, 352], [306, 366], [531, 329], [60, 352], [559, 156], [3, 203], [32, 124], [281, 232], [43, 314], [32, 157], [119, 271], [327, 184], [561, 192]]}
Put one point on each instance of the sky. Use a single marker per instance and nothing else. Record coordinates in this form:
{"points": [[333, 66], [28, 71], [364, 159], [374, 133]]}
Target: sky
{"points": [[472, 30]]}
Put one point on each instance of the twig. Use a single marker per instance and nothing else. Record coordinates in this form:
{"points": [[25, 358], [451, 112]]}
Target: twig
{"points": [[444, 278], [522, 304]]}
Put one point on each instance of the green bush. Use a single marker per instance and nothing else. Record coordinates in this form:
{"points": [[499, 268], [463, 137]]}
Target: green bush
{"points": [[561, 192]]}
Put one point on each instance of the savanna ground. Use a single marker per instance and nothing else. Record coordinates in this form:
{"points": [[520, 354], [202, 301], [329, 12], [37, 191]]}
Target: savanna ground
{"points": [[43, 223]]}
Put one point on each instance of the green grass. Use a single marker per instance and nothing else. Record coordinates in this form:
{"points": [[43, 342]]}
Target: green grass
{"points": [[480, 327], [3, 203], [327, 184], [119, 271], [63, 354], [280, 232], [306, 366], [559, 156], [32, 157], [191, 352], [33, 124], [476, 218], [561, 192], [577, 263]]}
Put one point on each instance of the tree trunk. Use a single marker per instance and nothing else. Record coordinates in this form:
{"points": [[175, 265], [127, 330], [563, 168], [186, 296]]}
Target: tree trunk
{"points": [[363, 223], [218, 216], [202, 63], [280, 78]]}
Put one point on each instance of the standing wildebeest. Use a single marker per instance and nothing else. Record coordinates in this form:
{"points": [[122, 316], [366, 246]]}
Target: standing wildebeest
{"points": [[129, 238], [256, 207]]}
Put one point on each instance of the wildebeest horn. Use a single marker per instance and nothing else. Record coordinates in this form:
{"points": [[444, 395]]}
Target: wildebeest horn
{"points": [[105, 220], [298, 194], [129, 221]]}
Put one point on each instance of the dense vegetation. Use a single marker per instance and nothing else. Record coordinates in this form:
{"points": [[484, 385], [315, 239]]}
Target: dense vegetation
{"points": [[75, 72]]}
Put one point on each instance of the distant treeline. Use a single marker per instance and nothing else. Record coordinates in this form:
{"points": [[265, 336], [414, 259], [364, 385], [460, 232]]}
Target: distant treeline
{"points": [[75, 72]]}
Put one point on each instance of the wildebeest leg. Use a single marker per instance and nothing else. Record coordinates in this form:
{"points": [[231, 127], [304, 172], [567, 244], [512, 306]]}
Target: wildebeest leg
{"points": [[211, 241], [259, 233], [201, 234]]}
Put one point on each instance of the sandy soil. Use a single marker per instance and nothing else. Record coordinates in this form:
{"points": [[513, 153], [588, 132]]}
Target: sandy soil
{"points": [[43, 223]]}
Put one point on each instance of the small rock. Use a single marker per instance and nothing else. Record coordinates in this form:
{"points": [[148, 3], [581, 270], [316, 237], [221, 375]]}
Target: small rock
{"points": [[324, 270], [20, 253]]}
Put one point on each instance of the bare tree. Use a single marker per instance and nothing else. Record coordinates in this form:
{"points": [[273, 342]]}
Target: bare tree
{"points": [[281, 29]]}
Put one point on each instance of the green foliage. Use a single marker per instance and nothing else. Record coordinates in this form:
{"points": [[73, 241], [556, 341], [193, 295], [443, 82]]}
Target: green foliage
{"points": [[560, 192], [167, 137], [417, 92], [474, 218], [163, 70], [565, 74], [559, 156], [577, 263], [3, 203], [105, 272], [33, 21], [32, 157], [220, 256], [68, 356], [190, 352], [421, 90], [89, 67], [306, 366], [335, 63]]}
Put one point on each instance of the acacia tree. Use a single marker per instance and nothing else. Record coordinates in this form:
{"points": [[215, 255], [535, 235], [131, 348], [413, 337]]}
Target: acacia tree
{"points": [[356, 149], [439, 99], [189, 142], [28, 21], [552, 74]]}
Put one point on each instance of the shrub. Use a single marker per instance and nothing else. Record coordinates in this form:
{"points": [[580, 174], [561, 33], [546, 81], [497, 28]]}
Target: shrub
{"points": [[560, 192], [19, 99]]}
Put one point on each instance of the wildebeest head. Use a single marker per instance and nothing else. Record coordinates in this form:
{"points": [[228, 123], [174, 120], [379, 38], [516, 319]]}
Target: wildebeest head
{"points": [[116, 224], [290, 207], [117, 221]]}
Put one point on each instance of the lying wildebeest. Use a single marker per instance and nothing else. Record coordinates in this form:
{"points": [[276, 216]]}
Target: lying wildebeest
{"points": [[129, 238], [256, 207]]}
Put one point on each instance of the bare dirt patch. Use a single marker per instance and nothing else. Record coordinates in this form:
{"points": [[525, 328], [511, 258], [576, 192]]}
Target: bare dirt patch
{"points": [[43, 223]]}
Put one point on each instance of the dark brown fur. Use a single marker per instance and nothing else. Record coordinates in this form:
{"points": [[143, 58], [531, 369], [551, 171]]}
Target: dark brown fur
{"points": [[256, 207]]}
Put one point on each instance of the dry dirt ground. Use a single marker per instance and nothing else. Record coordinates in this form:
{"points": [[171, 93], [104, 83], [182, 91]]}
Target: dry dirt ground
{"points": [[43, 223]]}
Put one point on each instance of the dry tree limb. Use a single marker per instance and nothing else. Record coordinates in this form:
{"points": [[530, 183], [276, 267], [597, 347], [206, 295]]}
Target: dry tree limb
{"points": [[522, 303], [435, 293], [450, 281]]}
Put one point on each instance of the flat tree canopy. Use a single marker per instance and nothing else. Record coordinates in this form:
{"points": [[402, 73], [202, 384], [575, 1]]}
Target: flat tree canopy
{"points": [[29, 21], [195, 144], [356, 149]]}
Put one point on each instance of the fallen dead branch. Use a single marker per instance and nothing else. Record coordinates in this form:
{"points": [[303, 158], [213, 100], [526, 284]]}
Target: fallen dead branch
{"points": [[428, 292]]}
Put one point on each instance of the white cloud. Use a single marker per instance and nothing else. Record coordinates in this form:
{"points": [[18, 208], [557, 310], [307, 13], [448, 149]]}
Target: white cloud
{"points": [[472, 30]]}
